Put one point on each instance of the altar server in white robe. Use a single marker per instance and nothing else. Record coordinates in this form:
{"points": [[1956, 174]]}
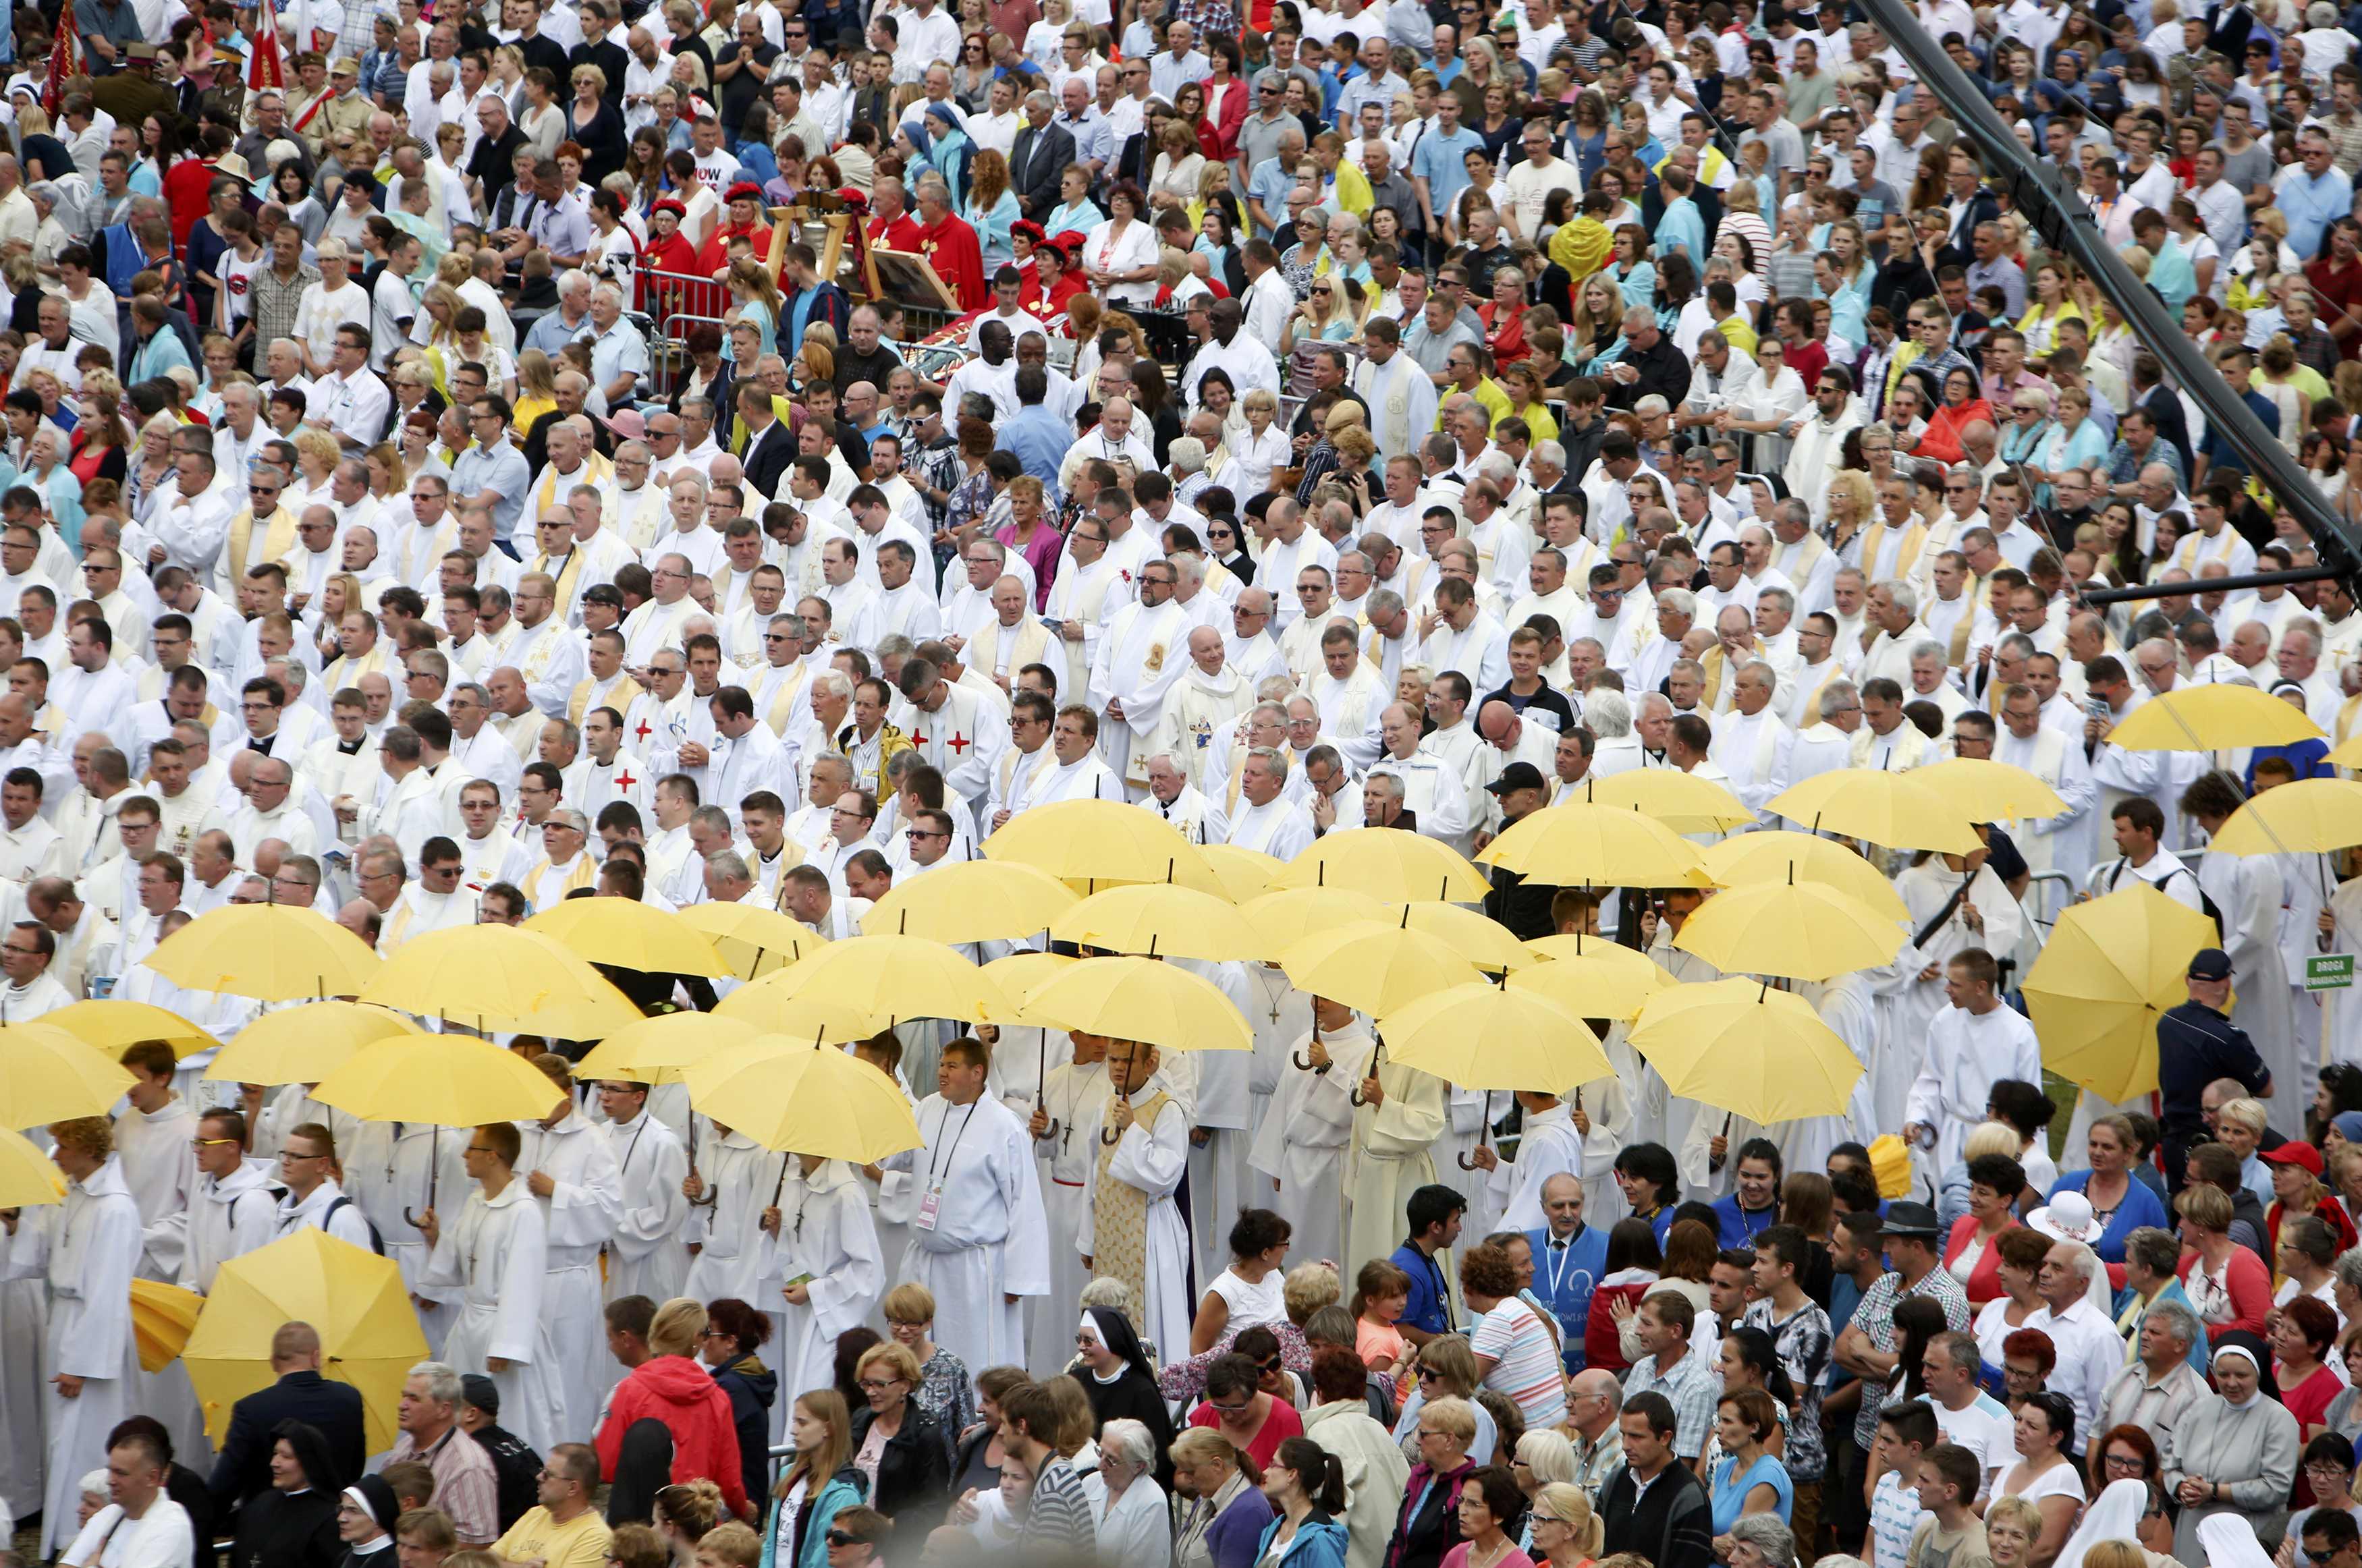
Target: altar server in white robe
{"points": [[649, 1253], [495, 1253], [730, 1221], [1133, 670], [1401, 1114], [2246, 889], [155, 1140], [231, 1210], [1971, 1045], [828, 1272], [1069, 1091], [978, 1238], [87, 1249], [1221, 1112], [1302, 1144], [1131, 1228], [569, 1168], [1849, 1006], [1550, 1146]]}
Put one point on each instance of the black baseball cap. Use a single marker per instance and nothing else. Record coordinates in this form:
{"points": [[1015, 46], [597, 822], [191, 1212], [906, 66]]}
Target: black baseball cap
{"points": [[1517, 776], [2209, 964]]}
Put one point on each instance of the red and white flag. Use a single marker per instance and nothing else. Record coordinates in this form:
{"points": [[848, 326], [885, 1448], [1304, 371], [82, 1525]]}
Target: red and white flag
{"points": [[264, 67], [65, 60]]}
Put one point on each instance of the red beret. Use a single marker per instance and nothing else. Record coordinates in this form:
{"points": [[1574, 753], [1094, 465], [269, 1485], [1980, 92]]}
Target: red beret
{"points": [[672, 204], [745, 190]]}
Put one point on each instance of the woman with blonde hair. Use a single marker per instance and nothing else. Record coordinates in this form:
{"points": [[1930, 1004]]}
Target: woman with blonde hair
{"points": [[536, 382], [341, 593], [1561, 1527], [318, 454], [1851, 501], [672, 1387], [820, 1480], [755, 297], [905, 1456], [684, 1514]]}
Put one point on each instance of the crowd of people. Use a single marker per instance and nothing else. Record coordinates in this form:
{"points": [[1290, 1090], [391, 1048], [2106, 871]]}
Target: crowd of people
{"points": [[450, 485]]}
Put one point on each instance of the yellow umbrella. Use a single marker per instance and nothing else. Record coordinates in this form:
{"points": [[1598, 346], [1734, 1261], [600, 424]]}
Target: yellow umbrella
{"points": [[1750, 857], [27, 1175], [1682, 801], [971, 900], [883, 978], [1018, 974], [655, 1050], [1375, 967], [808, 1018], [753, 942], [2310, 816], [1161, 922], [48, 1075], [113, 1026], [1402, 867], [1795, 930], [1591, 976], [1157, 1003], [451, 1081], [628, 934], [1741, 1047], [305, 1045], [161, 1318], [1243, 873], [1482, 1037], [368, 1332], [1484, 942], [2111, 967], [794, 1096], [1890, 809], [1101, 842], [1988, 791], [268, 951], [1285, 918], [502, 977], [1603, 846], [2349, 754], [2210, 717]]}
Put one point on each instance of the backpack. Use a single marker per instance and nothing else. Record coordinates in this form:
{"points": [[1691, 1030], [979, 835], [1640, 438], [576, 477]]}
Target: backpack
{"points": [[2205, 904], [377, 1242]]}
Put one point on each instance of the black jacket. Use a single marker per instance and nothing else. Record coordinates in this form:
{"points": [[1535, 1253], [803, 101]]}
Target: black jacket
{"points": [[243, 1468], [1035, 164], [1664, 371], [293, 1529], [1424, 1534], [1524, 907], [914, 1474], [767, 456], [752, 1388], [1671, 1524], [517, 1469]]}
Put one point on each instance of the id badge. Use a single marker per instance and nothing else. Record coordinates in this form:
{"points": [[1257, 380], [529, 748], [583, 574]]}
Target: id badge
{"points": [[929, 1202]]}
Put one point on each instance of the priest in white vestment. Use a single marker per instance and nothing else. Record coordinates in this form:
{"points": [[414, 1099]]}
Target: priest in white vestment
{"points": [[1130, 1227], [1137, 661], [1750, 745]]}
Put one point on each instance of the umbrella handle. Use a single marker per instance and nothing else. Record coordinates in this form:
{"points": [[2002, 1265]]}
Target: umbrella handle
{"points": [[1484, 1125], [1376, 1052], [1106, 1140], [1303, 1063], [409, 1217]]}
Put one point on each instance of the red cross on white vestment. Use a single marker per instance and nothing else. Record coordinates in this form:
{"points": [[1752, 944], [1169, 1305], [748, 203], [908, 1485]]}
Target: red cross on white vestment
{"points": [[624, 781], [642, 731], [959, 742]]}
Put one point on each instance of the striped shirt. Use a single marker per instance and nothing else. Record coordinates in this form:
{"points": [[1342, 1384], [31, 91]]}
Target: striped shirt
{"points": [[1059, 1516], [466, 1486], [1528, 1370]]}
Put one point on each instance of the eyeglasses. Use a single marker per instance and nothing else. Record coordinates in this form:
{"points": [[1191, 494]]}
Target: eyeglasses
{"points": [[879, 1385]]}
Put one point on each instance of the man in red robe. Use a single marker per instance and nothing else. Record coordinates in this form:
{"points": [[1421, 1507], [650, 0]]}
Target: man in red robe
{"points": [[951, 245], [746, 203], [890, 225]]}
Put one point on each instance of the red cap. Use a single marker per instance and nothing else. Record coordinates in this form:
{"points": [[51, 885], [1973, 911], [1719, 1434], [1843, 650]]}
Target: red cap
{"points": [[672, 204], [745, 190], [2292, 1153]]}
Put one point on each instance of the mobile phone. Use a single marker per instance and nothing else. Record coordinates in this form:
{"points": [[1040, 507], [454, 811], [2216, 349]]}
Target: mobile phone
{"points": [[2097, 707], [1053, 623]]}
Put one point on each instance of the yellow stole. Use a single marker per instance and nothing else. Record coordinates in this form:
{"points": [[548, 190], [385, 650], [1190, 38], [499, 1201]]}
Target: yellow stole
{"points": [[278, 541], [619, 697], [1119, 1212]]}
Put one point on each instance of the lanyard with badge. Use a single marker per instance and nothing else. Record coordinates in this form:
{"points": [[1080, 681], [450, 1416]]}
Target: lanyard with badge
{"points": [[931, 1201], [1562, 1253]]}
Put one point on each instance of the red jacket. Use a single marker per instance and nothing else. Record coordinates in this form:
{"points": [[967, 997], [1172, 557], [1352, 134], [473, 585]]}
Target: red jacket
{"points": [[694, 1409]]}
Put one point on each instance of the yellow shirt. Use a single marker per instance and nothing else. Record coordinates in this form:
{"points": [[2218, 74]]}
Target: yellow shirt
{"points": [[580, 1542]]}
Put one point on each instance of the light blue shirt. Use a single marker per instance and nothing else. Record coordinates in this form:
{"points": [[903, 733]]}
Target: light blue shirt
{"points": [[1678, 227], [2310, 205], [502, 470], [1441, 161], [158, 355], [618, 349], [1094, 137]]}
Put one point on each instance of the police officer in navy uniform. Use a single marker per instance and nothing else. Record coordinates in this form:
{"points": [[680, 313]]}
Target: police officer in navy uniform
{"points": [[2196, 1044]]}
